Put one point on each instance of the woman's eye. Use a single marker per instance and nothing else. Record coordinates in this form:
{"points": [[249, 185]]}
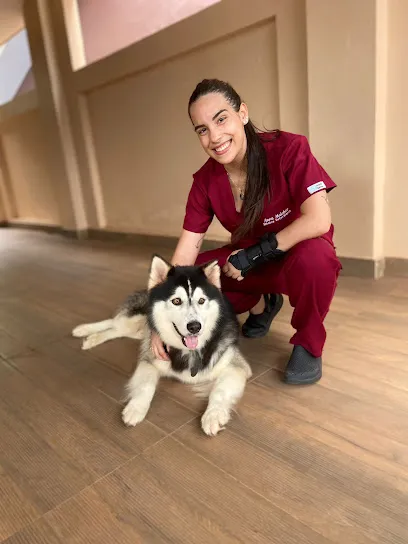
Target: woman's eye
{"points": [[221, 119], [176, 301], [202, 131], [201, 301]]}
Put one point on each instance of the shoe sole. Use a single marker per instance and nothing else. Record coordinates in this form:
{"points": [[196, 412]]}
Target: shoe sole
{"points": [[273, 315], [307, 381]]}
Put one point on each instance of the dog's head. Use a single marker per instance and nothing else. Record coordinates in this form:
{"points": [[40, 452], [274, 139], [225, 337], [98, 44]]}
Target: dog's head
{"points": [[184, 302]]}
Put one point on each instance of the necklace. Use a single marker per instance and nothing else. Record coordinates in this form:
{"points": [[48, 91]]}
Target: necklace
{"points": [[240, 189]]}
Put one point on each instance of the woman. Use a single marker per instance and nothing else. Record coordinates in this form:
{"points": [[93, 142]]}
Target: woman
{"points": [[270, 193]]}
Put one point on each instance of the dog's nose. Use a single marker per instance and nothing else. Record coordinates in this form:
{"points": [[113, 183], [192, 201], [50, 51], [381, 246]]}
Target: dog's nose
{"points": [[194, 327]]}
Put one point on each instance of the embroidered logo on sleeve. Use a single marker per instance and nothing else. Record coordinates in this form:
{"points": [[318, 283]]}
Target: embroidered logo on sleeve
{"points": [[316, 187]]}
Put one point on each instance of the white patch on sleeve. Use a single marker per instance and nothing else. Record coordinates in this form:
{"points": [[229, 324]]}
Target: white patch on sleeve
{"points": [[316, 187]]}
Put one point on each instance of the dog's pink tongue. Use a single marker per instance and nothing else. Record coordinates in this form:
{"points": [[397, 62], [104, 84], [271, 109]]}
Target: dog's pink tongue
{"points": [[191, 341]]}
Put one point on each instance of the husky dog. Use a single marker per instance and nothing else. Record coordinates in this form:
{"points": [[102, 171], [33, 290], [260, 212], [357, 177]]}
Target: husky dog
{"points": [[185, 306]]}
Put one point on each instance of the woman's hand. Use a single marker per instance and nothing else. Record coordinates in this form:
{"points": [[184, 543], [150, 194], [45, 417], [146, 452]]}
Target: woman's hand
{"points": [[157, 347], [230, 270]]}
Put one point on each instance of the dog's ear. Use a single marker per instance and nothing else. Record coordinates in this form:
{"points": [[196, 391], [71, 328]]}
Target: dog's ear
{"points": [[159, 269], [213, 272]]}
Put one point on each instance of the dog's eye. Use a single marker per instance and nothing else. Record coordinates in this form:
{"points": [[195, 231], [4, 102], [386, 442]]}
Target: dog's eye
{"points": [[201, 300], [176, 301]]}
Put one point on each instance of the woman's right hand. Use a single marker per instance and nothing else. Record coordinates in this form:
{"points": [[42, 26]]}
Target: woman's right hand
{"points": [[158, 348], [230, 270]]}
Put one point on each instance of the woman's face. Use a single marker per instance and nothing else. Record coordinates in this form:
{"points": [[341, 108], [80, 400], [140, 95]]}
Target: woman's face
{"points": [[220, 128]]}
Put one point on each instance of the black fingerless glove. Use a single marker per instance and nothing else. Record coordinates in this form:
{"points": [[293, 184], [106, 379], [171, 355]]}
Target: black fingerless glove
{"points": [[264, 251]]}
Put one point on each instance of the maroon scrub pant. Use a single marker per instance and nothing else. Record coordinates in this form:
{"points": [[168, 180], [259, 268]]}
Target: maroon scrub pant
{"points": [[307, 275]]}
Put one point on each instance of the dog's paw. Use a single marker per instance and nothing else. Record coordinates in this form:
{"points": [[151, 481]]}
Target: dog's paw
{"points": [[92, 341], [81, 331], [214, 420], [134, 412]]}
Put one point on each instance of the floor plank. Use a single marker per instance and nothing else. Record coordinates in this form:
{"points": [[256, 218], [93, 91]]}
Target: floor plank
{"points": [[285, 480], [325, 463], [171, 494], [56, 439], [342, 489]]}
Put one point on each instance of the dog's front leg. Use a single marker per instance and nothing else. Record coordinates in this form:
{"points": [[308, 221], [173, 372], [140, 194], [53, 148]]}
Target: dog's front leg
{"points": [[141, 389], [228, 389]]}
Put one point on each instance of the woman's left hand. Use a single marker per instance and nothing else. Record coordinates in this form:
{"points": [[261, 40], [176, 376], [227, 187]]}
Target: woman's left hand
{"points": [[230, 270]]}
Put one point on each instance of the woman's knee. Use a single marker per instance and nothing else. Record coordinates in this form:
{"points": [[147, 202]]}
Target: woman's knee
{"points": [[313, 259]]}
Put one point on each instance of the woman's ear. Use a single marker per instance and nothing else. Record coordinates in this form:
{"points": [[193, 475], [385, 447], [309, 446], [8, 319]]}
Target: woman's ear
{"points": [[243, 113]]}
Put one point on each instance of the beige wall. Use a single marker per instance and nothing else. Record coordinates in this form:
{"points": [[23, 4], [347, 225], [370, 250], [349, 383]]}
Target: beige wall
{"points": [[341, 71], [396, 192], [118, 150], [26, 153], [12, 11], [136, 105], [92, 116], [380, 131], [109, 26], [3, 213], [145, 147]]}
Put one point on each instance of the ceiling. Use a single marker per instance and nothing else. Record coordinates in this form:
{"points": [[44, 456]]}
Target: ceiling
{"points": [[11, 18]]}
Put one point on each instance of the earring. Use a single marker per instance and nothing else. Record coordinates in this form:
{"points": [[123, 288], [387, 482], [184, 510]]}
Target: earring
{"points": [[245, 120]]}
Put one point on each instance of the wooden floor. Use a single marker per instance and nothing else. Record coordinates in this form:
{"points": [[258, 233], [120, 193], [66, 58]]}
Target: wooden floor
{"points": [[323, 463]]}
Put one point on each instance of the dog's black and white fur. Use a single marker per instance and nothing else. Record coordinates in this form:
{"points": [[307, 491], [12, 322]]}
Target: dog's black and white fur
{"points": [[185, 306]]}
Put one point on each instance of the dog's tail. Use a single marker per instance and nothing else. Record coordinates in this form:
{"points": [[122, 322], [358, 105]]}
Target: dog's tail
{"points": [[135, 304]]}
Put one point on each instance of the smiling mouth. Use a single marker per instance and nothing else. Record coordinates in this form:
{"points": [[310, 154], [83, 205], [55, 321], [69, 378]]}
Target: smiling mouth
{"points": [[190, 341], [223, 148]]}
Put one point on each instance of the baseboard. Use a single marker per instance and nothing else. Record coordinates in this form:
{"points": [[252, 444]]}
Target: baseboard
{"points": [[361, 268], [43, 227], [132, 238], [396, 267], [168, 242], [371, 268]]}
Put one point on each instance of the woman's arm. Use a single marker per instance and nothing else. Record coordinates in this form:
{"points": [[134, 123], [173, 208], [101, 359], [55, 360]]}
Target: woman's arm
{"points": [[314, 221], [188, 248]]}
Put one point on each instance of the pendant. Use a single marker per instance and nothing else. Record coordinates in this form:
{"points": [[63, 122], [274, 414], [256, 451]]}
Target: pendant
{"points": [[241, 195]]}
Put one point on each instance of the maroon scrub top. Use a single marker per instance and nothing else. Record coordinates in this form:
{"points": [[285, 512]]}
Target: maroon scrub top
{"points": [[295, 175]]}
